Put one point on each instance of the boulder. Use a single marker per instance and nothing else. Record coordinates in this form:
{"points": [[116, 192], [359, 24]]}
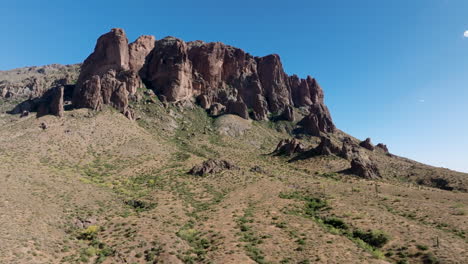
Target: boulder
{"points": [[212, 166], [367, 144], [217, 109], [349, 149], [289, 147], [232, 125], [237, 108], [364, 167], [327, 147]]}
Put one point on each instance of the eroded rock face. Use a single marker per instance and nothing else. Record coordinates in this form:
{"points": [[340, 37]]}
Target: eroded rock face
{"points": [[289, 147], [138, 51], [218, 73], [219, 77], [212, 166], [362, 166], [168, 70], [110, 74], [318, 121]]}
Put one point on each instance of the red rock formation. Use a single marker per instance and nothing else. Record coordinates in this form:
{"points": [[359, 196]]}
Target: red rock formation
{"points": [[169, 71], [138, 51], [211, 73], [110, 74]]}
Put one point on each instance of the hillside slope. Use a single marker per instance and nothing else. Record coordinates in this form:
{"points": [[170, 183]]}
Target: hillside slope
{"points": [[95, 187]]}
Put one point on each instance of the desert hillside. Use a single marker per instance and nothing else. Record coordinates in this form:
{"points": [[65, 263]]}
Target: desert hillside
{"points": [[175, 152]]}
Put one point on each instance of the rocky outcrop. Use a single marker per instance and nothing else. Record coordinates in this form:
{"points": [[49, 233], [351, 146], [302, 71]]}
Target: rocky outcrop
{"points": [[51, 103], [367, 144], [110, 74], [33, 82], [362, 166], [328, 147], [251, 87], [289, 147], [349, 149], [318, 121], [382, 147], [168, 70], [219, 77], [212, 166]]}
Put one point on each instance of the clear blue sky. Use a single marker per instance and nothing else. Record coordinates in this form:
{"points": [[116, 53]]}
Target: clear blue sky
{"points": [[392, 70]]}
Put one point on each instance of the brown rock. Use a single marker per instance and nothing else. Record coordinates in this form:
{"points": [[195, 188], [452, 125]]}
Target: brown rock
{"points": [[260, 108], [288, 113], [110, 53], [203, 101], [217, 109], [327, 147], [106, 76], [139, 50], [318, 121], [237, 108], [383, 147], [289, 147], [33, 82], [367, 144], [274, 82], [168, 70], [214, 73], [364, 167], [212, 166], [51, 103], [349, 149]]}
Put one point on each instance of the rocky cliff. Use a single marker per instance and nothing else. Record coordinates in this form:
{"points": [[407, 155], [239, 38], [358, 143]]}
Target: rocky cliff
{"points": [[220, 78]]}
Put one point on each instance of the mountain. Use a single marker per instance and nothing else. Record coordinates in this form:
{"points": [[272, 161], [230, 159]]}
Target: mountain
{"points": [[165, 151]]}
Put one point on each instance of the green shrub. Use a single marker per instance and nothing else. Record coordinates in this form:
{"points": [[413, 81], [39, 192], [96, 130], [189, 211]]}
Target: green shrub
{"points": [[336, 223], [375, 238], [422, 247], [140, 206], [89, 233], [429, 258]]}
